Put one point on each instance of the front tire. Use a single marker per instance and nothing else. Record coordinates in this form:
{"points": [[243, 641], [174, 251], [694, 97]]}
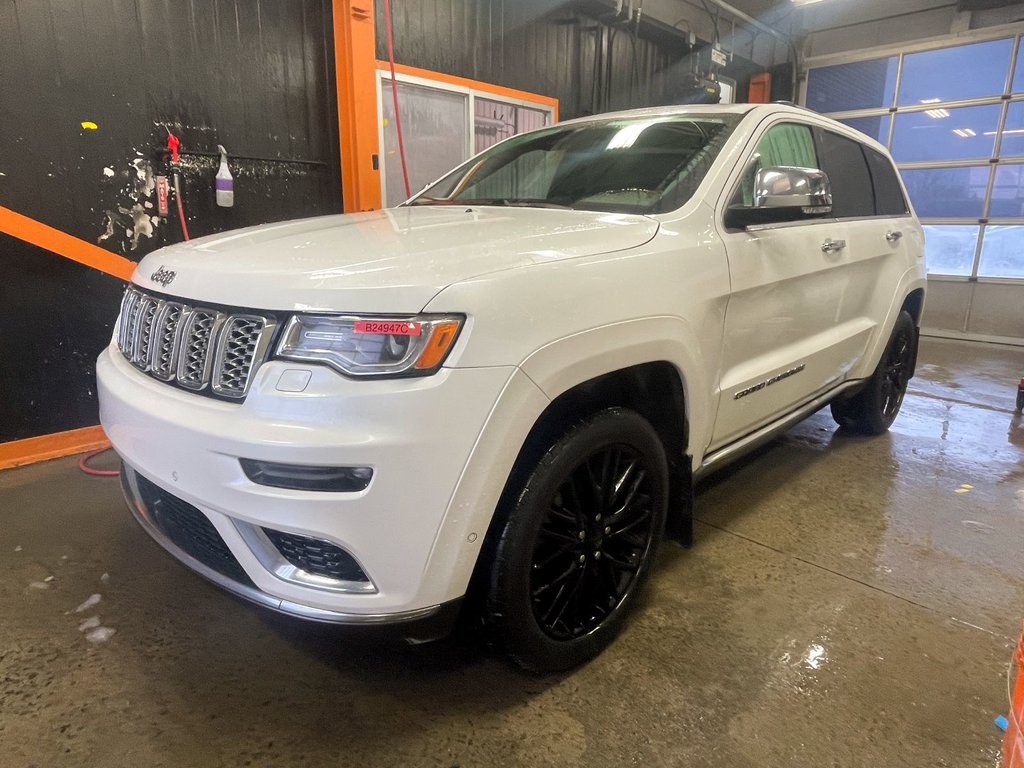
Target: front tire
{"points": [[578, 542], [874, 408]]}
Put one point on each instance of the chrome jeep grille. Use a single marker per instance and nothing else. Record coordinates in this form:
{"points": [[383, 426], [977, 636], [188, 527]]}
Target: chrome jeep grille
{"points": [[164, 341], [202, 349], [201, 327], [239, 342]]}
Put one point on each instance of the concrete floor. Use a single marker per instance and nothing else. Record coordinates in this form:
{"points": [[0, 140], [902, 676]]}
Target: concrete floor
{"points": [[844, 605]]}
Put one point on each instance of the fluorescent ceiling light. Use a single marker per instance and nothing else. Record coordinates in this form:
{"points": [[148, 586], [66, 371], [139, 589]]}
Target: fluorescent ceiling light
{"points": [[937, 113], [930, 101], [964, 133]]}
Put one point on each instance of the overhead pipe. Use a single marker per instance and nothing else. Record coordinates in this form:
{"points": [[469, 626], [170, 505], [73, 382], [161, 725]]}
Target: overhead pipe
{"points": [[737, 13]]}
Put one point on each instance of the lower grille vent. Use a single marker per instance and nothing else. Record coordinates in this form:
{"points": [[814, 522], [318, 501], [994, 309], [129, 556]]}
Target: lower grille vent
{"points": [[190, 530]]}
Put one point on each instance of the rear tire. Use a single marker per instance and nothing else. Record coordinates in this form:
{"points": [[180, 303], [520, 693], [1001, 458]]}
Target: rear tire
{"points": [[579, 539], [874, 408]]}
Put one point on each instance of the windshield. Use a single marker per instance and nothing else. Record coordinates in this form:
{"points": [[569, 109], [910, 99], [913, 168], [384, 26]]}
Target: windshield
{"points": [[635, 165]]}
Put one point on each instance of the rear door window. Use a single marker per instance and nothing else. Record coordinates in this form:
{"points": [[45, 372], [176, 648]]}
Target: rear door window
{"points": [[843, 160], [889, 199]]}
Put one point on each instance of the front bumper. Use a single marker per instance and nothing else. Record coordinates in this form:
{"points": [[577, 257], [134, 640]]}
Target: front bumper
{"points": [[417, 434], [244, 588]]}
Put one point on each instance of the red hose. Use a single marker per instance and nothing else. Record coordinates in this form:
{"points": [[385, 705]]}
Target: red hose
{"points": [[82, 465], [394, 97], [181, 209]]}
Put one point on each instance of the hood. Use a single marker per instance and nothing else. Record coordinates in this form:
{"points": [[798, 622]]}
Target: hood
{"points": [[393, 260]]}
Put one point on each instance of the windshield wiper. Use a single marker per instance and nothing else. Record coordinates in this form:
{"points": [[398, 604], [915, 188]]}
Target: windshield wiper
{"points": [[516, 202], [504, 202], [426, 200]]}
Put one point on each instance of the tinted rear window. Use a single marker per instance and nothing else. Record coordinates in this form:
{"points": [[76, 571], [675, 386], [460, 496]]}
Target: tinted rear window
{"points": [[842, 159], [889, 200]]}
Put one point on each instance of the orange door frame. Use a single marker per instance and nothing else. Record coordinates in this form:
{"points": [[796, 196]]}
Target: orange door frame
{"points": [[355, 63]]}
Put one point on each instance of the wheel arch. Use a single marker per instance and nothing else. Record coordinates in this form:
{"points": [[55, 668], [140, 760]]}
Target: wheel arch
{"points": [[914, 304], [655, 390]]}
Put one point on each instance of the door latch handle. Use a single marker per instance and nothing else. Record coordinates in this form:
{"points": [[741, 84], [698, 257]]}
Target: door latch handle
{"points": [[832, 246], [893, 236]]}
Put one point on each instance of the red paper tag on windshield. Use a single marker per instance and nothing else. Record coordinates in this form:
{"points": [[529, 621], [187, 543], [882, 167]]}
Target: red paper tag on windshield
{"points": [[387, 327]]}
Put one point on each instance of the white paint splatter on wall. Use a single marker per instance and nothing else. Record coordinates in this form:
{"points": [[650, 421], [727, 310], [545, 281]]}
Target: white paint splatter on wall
{"points": [[130, 216]]}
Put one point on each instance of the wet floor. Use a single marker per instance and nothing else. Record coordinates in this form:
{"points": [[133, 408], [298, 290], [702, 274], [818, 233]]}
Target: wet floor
{"points": [[848, 602]]}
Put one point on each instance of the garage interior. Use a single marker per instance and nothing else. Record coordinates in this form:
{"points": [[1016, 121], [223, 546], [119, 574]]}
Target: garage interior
{"points": [[846, 601]]}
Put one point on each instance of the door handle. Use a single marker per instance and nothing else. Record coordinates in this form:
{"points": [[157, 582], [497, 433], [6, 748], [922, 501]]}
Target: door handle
{"points": [[832, 246], [893, 236]]}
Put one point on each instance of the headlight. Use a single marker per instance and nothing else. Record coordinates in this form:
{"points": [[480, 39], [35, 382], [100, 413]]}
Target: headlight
{"points": [[371, 346]]}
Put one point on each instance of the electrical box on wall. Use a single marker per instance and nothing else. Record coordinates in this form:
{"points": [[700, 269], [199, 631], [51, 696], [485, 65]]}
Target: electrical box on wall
{"points": [[693, 89]]}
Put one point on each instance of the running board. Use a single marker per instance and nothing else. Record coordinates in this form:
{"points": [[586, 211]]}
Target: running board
{"points": [[725, 456]]}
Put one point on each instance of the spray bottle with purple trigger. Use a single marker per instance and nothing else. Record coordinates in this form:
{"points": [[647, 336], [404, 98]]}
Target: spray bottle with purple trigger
{"points": [[225, 183]]}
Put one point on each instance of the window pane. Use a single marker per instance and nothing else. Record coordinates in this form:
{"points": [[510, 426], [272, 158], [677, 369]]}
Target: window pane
{"points": [[949, 250], [788, 145], [492, 122], [625, 165], [1013, 131], [497, 120], [1008, 192], [967, 133], [528, 176], [843, 161], [859, 85], [784, 144], [961, 72], [889, 200], [877, 127], [1001, 252], [957, 193], [1018, 73], [434, 131]]}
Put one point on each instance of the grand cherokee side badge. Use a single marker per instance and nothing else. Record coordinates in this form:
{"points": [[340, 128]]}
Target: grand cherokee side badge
{"points": [[163, 276], [768, 382]]}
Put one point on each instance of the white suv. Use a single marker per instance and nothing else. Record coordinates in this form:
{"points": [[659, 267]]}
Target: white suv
{"points": [[504, 388]]}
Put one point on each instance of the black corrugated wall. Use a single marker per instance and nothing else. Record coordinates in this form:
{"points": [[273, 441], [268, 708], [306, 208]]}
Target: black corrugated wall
{"points": [[253, 75], [574, 51]]}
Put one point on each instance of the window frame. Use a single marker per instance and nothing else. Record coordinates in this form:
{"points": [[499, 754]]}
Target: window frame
{"points": [[471, 89], [1008, 97], [734, 182]]}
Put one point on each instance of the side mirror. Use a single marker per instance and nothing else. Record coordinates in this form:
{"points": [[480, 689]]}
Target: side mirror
{"points": [[783, 193]]}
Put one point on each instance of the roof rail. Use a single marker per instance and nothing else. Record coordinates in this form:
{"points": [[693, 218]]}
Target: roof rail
{"points": [[793, 104]]}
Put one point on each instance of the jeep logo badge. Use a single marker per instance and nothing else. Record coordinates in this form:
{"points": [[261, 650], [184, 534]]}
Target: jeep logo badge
{"points": [[163, 276]]}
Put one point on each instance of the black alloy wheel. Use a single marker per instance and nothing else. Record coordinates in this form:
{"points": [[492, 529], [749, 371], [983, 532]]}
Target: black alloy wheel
{"points": [[592, 541], [897, 365], [580, 530]]}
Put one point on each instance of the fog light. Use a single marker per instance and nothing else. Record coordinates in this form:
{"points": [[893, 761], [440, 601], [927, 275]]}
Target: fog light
{"points": [[298, 477]]}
